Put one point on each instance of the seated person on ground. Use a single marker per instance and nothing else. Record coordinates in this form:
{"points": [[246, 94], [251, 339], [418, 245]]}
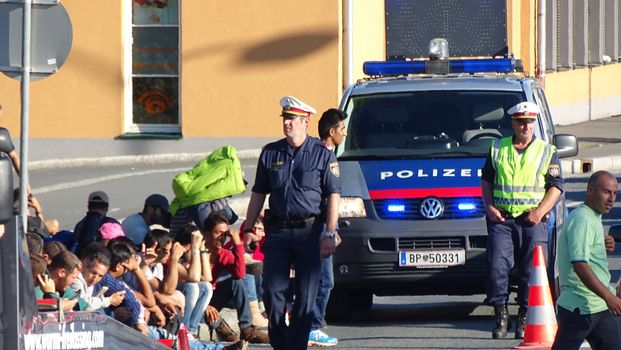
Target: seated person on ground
{"points": [[95, 265], [216, 230], [51, 249], [194, 274], [63, 271], [164, 281], [131, 311]]}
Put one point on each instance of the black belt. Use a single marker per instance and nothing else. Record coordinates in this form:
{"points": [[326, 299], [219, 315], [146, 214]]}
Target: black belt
{"points": [[522, 216], [292, 223]]}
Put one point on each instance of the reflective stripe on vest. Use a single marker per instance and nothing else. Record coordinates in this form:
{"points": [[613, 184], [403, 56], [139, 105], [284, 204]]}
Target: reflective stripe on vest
{"points": [[519, 183]]}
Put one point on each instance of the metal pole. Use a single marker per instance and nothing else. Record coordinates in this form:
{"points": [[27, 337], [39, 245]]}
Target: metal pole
{"points": [[25, 115], [541, 27], [23, 178], [349, 45]]}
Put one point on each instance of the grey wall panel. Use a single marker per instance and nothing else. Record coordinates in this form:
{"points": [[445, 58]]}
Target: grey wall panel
{"points": [[580, 33], [565, 34], [551, 35], [596, 31], [611, 41]]}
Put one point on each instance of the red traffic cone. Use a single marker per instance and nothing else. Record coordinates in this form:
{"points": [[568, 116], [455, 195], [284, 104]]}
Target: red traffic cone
{"points": [[540, 319]]}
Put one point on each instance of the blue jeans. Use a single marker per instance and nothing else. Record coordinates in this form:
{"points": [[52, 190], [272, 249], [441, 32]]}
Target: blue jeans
{"points": [[160, 333], [251, 288], [233, 291], [326, 283], [197, 297]]}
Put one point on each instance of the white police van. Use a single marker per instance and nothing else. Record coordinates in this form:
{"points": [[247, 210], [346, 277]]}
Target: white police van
{"points": [[411, 217]]}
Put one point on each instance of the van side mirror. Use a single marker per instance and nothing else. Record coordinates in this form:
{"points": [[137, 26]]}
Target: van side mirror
{"points": [[615, 232], [566, 145]]}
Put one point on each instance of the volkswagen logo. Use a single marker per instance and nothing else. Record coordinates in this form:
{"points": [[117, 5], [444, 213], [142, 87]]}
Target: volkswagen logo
{"points": [[431, 208]]}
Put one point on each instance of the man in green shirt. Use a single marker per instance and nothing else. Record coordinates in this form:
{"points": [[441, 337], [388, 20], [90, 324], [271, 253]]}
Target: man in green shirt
{"points": [[587, 303]]}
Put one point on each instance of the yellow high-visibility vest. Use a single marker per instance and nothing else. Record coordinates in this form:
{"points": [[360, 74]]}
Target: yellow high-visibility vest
{"points": [[519, 184]]}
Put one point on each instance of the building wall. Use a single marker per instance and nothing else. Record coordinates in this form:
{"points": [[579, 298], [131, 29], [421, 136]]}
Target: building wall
{"points": [[584, 94], [237, 60], [84, 98]]}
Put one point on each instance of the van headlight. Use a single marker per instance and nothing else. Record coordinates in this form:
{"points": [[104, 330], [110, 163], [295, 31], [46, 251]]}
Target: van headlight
{"points": [[352, 207]]}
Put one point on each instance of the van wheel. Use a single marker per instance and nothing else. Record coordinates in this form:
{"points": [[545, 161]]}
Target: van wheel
{"points": [[339, 306]]}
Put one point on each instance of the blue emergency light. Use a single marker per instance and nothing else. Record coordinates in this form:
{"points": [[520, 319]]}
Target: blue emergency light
{"points": [[485, 65], [396, 208], [467, 206]]}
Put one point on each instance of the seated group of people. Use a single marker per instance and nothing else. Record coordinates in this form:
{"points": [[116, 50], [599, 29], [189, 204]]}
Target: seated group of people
{"points": [[151, 278]]}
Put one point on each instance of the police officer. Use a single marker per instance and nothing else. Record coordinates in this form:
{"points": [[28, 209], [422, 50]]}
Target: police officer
{"points": [[521, 182], [298, 172]]}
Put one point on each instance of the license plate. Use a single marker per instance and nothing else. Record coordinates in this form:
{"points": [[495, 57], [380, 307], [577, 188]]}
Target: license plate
{"points": [[432, 258]]}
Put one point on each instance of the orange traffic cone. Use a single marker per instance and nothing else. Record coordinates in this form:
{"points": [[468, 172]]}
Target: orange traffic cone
{"points": [[540, 319]]}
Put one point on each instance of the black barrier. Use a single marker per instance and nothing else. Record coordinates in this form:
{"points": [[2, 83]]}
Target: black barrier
{"points": [[6, 189]]}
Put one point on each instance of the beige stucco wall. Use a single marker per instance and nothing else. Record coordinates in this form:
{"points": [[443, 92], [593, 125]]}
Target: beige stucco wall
{"points": [[83, 99], [584, 94], [369, 34], [237, 60]]}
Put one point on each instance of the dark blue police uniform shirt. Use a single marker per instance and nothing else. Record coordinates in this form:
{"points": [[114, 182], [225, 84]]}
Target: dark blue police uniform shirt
{"points": [[297, 181], [553, 177]]}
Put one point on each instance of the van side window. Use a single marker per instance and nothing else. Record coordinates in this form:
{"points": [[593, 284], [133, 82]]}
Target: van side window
{"points": [[546, 126]]}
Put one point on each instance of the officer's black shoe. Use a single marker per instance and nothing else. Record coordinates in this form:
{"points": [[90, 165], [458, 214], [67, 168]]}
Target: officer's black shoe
{"points": [[502, 321], [521, 323]]}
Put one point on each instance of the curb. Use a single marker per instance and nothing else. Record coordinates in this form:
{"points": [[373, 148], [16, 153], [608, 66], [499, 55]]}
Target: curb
{"points": [[125, 160]]}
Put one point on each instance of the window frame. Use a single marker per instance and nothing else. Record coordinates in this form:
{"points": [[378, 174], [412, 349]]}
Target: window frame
{"points": [[129, 127]]}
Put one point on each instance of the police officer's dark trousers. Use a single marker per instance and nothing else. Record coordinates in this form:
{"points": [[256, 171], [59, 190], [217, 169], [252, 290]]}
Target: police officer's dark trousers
{"points": [[284, 246], [512, 242]]}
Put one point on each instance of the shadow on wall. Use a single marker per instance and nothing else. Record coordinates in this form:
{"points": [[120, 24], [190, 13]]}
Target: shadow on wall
{"points": [[95, 66], [287, 47]]}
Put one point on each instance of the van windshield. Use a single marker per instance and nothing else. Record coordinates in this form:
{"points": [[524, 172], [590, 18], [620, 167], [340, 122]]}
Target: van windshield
{"points": [[427, 123]]}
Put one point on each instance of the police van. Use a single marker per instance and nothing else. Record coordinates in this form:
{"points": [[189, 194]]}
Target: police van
{"points": [[411, 217]]}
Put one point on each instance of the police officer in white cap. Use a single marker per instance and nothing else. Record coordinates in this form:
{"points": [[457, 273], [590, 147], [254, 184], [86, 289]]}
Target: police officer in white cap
{"points": [[521, 182], [300, 174]]}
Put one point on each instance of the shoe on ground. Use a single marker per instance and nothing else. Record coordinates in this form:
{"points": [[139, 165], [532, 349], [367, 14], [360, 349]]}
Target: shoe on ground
{"points": [[253, 335], [240, 345], [257, 318], [501, 315], [225, 333], [521, 323], [319, 338]]}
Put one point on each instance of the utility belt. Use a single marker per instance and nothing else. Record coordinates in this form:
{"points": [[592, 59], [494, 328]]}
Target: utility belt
{"points": [[275, 221]]}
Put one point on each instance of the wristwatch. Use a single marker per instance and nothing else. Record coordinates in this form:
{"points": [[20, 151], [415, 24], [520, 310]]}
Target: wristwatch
{"points": [[329, 234]]}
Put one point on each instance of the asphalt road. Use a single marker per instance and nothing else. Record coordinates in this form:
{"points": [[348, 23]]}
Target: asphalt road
{"points": [[430, 322], [63, 192]]}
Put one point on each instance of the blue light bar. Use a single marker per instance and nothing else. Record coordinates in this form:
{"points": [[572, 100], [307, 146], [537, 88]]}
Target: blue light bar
{"points": [[466, 206], [485, 65], [396, 208], [393, 67]]}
